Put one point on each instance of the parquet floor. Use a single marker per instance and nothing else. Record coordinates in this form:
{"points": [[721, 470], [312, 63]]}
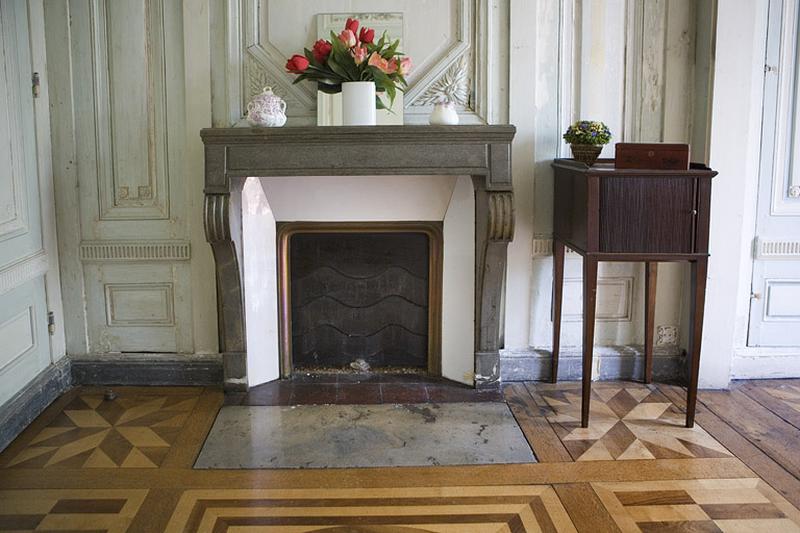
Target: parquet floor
{"points": [[88, 464]]}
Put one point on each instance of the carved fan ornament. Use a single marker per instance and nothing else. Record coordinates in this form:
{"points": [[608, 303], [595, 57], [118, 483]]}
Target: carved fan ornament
{"points": [[452, 86]]}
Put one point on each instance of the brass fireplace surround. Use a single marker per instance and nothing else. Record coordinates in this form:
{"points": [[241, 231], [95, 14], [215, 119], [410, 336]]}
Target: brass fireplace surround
{"points": [[480, 151], [433, 230]]}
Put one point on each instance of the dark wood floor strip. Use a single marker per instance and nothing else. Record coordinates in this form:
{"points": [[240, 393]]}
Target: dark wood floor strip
{"points": [[187, 446], [762, 464], [768, 432], [585, 508], [761, 393], [546, 445]]}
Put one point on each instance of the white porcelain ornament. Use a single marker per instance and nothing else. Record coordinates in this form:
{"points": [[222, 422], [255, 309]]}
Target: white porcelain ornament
{"points": [[444, 114], [267, 110]]}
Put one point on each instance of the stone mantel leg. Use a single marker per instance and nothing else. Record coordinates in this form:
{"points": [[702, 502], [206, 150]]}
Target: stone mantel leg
{"points": [[230, 308], [494, 229]]}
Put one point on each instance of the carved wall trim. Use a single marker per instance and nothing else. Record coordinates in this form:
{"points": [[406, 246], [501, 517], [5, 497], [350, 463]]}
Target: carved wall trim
{"points": [[111, 251], [131, 199], [23, 270], [777, 249]]}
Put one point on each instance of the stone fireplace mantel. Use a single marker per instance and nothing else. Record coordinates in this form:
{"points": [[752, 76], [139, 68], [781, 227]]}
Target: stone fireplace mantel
{"points": [[482, 152]]}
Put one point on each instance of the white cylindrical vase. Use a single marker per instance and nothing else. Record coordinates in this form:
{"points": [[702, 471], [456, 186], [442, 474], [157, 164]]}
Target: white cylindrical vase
{"points": [[358, 103]]}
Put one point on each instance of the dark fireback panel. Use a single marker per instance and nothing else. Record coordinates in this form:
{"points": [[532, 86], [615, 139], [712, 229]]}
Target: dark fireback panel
{"points": [[359, 296]]}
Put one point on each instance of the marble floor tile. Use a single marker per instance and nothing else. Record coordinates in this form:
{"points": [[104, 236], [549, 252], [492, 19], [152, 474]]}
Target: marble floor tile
{"points": [[338, 436]]}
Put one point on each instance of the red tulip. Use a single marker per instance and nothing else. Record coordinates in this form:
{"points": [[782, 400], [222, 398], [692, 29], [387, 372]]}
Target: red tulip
{"points": [[367, 35], [297, 64], [321, 50], [352, 25]]}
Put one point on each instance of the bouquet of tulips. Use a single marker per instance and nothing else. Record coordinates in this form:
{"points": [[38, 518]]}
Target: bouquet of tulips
{"points": [[353, 55]]}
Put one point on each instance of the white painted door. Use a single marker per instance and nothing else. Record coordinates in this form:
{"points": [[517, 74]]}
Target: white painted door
{"points": [[121, 80], [24, 339], [775, 300]]}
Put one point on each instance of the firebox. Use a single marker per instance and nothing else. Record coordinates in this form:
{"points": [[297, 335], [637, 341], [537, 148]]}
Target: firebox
{"points": [[360, 295]]}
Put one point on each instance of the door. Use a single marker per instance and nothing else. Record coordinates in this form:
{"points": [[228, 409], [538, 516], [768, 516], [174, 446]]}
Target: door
{"points": [[24, 339], [775, 300], [125, 92]]}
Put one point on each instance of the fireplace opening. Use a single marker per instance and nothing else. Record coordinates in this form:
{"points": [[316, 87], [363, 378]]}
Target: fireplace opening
{"points": [[360, 296]]}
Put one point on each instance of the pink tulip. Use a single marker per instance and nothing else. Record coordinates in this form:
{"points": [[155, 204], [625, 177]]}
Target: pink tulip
{"points": [[359, 54], [405, 66], [375, 60], [348, 38], [391, 67]]}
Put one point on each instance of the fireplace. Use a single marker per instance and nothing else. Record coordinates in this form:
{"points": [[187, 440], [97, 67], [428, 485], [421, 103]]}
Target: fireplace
{"points": [[457, 176], [364, 296]]}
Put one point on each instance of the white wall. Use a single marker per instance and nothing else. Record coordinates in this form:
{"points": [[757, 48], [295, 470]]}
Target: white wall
{"points": [[734, 149]]}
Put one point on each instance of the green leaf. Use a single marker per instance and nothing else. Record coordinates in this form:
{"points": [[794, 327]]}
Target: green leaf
{"points": [[338, 69]]}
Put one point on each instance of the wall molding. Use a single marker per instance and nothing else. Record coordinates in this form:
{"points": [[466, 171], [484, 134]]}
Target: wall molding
{"points": [[23, 270], [147, 251], [785, 249]]}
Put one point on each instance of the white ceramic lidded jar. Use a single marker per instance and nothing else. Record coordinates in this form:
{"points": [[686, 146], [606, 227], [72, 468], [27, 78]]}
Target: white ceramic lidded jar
{"points": [[266, 110]]}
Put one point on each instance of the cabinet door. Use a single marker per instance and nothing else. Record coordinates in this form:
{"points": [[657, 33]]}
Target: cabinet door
{"points": [[647, 214]]}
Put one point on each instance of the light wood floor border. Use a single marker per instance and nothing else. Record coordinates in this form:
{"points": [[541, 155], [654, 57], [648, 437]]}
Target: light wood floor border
{"points": [[585, 508], [749, 453], [540, 473]]}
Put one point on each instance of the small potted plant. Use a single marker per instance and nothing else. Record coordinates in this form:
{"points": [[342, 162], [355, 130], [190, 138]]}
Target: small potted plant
{"points": [[586, 139], [356, 65]]}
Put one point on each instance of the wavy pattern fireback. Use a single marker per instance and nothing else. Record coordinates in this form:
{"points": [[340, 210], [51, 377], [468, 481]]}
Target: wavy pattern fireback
{"points": [[359, 296]]}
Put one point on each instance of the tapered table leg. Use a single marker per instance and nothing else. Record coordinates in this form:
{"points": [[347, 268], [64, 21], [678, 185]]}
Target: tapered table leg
{"points": [[650, 278], [699, 274], [589, 304], [558, 291]]}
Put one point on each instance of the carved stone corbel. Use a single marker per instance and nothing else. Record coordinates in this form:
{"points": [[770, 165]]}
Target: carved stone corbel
{"points": [[230, 310], [494, 229]]}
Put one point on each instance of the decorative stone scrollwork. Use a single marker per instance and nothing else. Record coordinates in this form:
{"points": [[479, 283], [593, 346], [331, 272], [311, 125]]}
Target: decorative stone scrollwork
{"points": [[452, 86], [215, 217], [501, 216]]}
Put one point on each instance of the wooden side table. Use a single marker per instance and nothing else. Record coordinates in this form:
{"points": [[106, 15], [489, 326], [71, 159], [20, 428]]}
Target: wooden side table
{"points": [[610, 214]]}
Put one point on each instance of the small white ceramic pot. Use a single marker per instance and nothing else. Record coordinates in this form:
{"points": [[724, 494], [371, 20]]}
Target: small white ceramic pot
{"points": [[444, 114]]}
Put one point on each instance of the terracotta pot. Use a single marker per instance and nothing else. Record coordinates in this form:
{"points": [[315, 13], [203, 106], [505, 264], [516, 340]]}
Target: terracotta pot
{"points": [[586, 153]]}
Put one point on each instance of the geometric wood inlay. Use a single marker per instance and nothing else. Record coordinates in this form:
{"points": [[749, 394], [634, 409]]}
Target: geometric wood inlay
{"points": [[629, 421], [500, 508], [131, 431]]}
